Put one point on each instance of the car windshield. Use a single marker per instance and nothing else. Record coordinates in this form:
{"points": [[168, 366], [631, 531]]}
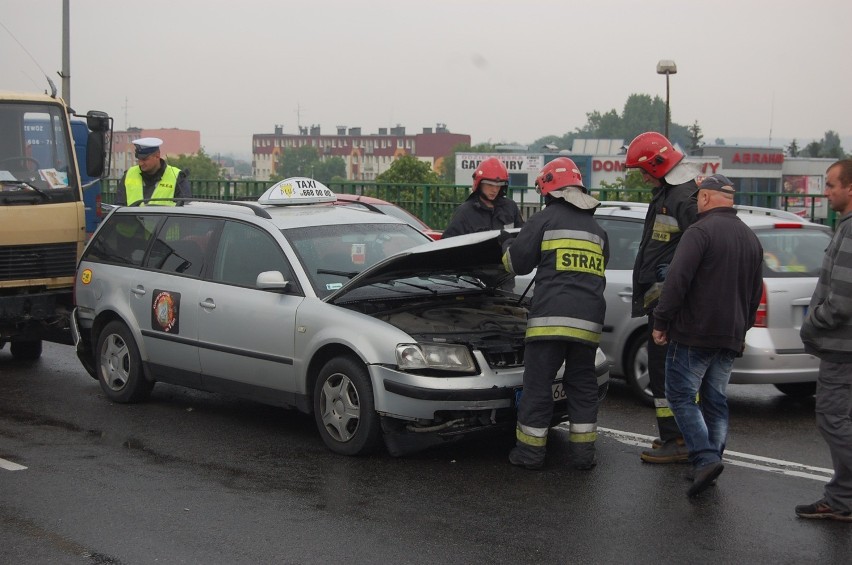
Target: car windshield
{"points": [[793, 252], [332, 255]]}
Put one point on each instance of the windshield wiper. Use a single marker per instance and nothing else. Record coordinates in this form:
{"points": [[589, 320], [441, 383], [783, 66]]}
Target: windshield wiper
{"points": [[24, 184], [347, 274]]}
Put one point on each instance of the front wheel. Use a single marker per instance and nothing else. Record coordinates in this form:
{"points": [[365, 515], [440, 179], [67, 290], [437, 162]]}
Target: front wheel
{"points": [[636, 367], [344, 409], [26, 350], [797, 390], [120, 366]]}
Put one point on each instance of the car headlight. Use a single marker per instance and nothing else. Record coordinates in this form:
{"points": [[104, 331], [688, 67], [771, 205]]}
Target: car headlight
{"points": [[442, 357]]}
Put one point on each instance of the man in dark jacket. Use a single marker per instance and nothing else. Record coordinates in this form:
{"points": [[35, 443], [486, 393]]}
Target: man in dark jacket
{"points": [[671, 211], [487, 207], [570, 251], [827, 333], [708, 303]]}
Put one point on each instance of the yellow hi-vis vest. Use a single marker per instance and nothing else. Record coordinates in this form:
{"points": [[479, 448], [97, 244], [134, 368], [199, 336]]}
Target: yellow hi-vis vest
{"points": [[165, 188]]}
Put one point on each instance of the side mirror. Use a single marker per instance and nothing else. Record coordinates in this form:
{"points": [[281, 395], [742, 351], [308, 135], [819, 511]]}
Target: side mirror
{"points": [[271, 280], [95, 154], [98, 121]]}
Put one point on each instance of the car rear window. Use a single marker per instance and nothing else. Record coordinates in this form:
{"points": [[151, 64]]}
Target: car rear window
{"points": [[792, 252]]}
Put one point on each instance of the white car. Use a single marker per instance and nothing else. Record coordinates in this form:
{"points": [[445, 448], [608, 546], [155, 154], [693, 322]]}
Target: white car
{"points": [[774, 353], [348, 314]]}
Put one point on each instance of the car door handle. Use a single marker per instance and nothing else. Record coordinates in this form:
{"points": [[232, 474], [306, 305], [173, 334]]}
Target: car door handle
{"points": [[628, 293], [138, 291], [208, 303]]}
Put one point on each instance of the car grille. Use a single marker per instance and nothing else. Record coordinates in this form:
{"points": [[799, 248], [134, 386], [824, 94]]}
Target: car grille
{"points": [[37, 261], [503, 356]]}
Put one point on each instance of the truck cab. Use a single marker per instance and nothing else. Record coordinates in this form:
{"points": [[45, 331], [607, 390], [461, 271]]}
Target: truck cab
{"points": [[42, 216]]}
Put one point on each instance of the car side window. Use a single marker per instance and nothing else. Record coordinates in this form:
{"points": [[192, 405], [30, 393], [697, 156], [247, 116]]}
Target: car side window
{"points": [[624, 237], [124, 239], [181, 245], [244, 252]]}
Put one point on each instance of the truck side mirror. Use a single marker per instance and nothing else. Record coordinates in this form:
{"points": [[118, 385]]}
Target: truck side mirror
{"points": [[95, 154], [97, 121]]}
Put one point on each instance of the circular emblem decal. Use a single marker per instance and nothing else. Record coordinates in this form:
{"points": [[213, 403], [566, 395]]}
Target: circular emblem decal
{"points": [[164, 310], [86, 276]]}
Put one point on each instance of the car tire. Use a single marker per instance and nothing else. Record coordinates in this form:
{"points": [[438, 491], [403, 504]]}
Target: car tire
{"points": [[26, 350], [119, 365], [797, 390], [636, 369], [344, 408]]}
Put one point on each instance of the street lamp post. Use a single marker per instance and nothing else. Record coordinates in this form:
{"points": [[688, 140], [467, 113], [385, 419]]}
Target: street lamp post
{"points": [[667, 67]]}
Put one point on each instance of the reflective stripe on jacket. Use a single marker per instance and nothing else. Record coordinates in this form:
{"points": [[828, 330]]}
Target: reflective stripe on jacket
{"points": [[570, 251], [165, 188], [671, 211]]}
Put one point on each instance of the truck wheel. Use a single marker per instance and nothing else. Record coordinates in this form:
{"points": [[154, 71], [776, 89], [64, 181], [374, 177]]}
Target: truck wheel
{"points": [[797, 390], [120, 366], [636, 367], [26, 350], [344, 409]]}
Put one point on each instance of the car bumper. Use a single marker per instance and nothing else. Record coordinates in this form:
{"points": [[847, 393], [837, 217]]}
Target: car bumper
{"points": [[417, 397], [757, 367]]}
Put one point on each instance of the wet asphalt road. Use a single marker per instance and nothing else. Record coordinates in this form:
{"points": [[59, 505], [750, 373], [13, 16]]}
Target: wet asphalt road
{"points": [[190, 477]]}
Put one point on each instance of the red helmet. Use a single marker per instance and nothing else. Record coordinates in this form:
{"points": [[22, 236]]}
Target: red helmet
{"points": [[559, 173], [491, 169], [652, 153]]}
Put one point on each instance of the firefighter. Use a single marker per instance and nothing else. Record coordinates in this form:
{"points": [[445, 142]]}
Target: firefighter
{"points": [[671, 211], [487, 207], [570, 251]]}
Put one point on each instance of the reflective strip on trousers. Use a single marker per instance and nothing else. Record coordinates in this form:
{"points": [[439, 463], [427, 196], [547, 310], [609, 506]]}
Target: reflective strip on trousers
{"points": [[583, 433], [536, 437], [564, 326], [663, 410]]}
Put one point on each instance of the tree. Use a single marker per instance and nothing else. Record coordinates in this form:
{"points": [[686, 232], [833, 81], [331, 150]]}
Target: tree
{"points": [[695, 137], [831, 146], [409, 169], [812, 149], [632, 181], [199, 166], [793, 149], [641, 113]]}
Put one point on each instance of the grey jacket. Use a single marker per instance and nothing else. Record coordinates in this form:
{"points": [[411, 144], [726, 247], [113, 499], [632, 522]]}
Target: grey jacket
{"points": [[827, 329]]}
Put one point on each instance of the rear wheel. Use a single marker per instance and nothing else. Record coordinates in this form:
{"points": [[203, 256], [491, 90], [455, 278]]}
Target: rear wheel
{"points": [[26, 350], [797, 390], [120, 366], [344, 409], [636, 369]]}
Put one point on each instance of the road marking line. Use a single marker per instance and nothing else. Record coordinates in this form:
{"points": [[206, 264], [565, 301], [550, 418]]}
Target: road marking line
{"points": [[9, 466], [778, 466]]}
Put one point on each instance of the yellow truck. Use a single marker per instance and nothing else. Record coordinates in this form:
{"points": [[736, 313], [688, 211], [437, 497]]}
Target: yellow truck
{"points": [[42, 218]]}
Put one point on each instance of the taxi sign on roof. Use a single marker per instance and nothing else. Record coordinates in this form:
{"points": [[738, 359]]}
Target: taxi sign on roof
{"points": [[297, 190]]}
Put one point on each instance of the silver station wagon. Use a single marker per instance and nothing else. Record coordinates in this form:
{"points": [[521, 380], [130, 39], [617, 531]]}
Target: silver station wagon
{"points": [[347, 314]]}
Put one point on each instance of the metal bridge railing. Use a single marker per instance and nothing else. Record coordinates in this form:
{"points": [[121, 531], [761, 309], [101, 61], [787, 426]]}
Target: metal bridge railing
{"points": [[435, 204]]}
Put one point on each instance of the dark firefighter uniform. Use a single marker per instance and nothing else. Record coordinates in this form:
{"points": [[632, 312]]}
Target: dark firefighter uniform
{"points": [[570, 251], [670, 212]]}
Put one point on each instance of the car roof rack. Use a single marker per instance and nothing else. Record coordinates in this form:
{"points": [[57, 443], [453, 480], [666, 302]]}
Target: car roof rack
{"points": [[256, 208]]}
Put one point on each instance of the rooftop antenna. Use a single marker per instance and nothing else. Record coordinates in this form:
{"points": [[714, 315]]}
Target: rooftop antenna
{"points": [[771, 118]]}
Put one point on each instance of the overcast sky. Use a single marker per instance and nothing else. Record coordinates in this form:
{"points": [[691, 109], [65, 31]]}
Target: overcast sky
{"points": [[499, 71]]}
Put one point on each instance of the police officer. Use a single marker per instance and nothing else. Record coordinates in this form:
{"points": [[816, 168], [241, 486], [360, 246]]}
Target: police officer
{"points": [[570, 250], [671, 211], [487, 207], [151, 177]]}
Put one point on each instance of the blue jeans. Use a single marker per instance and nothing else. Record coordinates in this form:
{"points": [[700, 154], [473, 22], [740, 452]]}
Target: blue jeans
{"points": [[702, 372]]}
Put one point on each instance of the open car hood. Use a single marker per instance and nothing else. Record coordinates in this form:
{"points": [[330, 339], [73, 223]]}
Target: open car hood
{"points": [[477, 255]]}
